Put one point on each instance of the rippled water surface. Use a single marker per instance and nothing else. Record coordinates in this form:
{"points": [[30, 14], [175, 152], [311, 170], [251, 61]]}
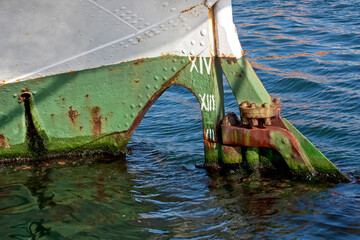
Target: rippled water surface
{"points": [[308, 54]]}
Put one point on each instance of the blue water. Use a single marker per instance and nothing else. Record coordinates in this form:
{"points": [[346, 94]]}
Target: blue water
{"points": [[305, 52]]}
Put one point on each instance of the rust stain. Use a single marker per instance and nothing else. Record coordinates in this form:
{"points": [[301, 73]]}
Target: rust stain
{"points": [[117, 137], [189, 9], [138, 61], [52, 115], [73, 115], [63, 100], [231, 60], [96, 120], [81, 128], [2, 141], [87, 96]]}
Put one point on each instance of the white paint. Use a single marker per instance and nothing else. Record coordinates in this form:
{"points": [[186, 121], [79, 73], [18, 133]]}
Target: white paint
{"points": [[207, 102], [210, 134], [85, 34], [228, 44], [202, 61], [106, 10]]}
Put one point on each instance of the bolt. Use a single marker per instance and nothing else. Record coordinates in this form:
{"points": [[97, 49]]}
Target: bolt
{"points": [[244, 104], [277, 100], [267, 121], [253, 105], [254, 122], [266, 105], [244, 121]]}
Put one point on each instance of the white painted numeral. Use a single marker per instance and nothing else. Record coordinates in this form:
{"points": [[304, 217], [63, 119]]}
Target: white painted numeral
{"points": [[201, 65], [210, 134], [207, 102]]}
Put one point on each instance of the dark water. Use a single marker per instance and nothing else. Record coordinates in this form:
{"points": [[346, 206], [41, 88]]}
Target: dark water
{"points": [[308, 54]]}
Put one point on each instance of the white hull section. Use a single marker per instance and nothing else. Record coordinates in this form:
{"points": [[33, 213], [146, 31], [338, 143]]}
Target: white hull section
{"points": [[42, 37]]}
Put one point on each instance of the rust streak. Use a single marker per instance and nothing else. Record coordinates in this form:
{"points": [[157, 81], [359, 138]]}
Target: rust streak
{"points": [[2, 140], [189, 9], [96, 120], [73, 115]]}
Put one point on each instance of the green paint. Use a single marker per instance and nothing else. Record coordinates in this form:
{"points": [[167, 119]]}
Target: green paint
{"points": [[244, 82], [325, 169], [97, 110], [93, 103]]}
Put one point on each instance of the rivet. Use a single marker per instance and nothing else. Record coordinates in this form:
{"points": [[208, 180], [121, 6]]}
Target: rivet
{"points": [[164, 78], [192, 52], [266, 105], [134, 16], [126, 115], [165, 69], [252, 105], [126, 125], [133, 115], [156, 87], [174, 60], [148, 95], [173, 9], [148, 86], [188, 28], [156, 78], [183, 51], [162, 26], [140, 105], [192, 42], [202, 43], [139, 96], [174, 69], [15, 95], [183, 61], [267, 121], [132, 105], [171, 22], [203, 32]]}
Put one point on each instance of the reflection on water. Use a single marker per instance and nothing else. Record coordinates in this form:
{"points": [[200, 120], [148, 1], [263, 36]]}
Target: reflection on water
{"points": [[306, 53]]}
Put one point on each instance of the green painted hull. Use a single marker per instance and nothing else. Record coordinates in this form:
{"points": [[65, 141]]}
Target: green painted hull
{"points": [[98, 109]]}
